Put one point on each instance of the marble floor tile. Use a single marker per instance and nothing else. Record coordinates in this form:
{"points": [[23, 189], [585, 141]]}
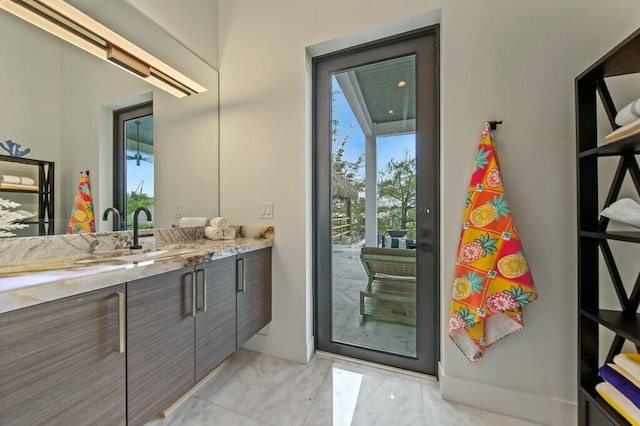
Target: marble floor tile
{"points": [[236, 362], [198, 412], [259, 390], [276, 391]]}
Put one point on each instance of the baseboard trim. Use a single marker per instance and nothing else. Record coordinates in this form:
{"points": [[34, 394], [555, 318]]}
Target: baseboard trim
{"points": [[527, 406], [281, 348]]}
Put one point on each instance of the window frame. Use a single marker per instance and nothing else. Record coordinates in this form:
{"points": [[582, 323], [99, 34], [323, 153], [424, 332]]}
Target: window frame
{"points": [[121, 116]]}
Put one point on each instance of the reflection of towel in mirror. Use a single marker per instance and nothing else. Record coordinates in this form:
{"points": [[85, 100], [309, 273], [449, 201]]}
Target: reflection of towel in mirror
{"points": [[229, 234], [625, 210], [213, 233], [219, 222], [81, 219], [20, 180]]}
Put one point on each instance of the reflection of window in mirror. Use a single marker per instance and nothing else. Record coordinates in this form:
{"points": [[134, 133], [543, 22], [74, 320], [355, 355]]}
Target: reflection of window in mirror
{"points": [[133, 162]]}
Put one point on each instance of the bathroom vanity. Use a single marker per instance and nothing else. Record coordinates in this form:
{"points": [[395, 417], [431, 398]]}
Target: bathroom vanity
{"points": [[122, 336]]}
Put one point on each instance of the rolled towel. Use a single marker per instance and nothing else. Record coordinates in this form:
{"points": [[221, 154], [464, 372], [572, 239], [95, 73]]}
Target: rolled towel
{"points": [[619, 403], [10, 179], [19, 180], [27, 180], [625, 383], [229, 234], [213, 233], [629, 113], [630, 363], [189, 222], [219, 222]]}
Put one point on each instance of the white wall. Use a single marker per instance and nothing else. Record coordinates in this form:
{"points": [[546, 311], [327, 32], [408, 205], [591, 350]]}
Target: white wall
{"points": [[501, 59], [29, 97]]}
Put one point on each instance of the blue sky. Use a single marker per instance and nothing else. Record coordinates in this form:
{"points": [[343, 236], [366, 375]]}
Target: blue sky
{"points": [[388, 146], [139, 174]]}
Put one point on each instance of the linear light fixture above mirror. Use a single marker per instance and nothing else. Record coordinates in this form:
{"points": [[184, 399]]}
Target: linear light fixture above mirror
{"points": [[68, 23]]}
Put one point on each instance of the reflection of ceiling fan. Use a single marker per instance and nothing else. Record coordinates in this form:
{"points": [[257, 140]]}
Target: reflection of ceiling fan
{"points": [[138, 155]]}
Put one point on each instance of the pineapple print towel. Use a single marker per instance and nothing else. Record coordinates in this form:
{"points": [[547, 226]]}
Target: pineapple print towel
{"points": [[492, 281], [81, 219]]}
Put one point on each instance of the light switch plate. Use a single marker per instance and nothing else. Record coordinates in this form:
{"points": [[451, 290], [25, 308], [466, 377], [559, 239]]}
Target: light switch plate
{"points": [[266, 210]]}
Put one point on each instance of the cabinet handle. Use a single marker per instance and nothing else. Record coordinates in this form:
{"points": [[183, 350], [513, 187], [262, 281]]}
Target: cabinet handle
{"points": [[194, 299], [204, 288], [121, 323], [241, 277]]}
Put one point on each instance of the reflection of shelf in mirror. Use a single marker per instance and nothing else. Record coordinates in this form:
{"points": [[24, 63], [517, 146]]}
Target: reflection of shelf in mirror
{"points": [[15, 187], [630, 236]]}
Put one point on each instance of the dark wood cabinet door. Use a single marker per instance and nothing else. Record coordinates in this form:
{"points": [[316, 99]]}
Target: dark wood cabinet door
{"points": [[216, 319], [254, 293], [160, 340], [59, 363]]}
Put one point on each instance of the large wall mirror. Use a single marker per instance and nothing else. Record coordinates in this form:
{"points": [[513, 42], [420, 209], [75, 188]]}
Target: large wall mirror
{"points": [[59, 101]]}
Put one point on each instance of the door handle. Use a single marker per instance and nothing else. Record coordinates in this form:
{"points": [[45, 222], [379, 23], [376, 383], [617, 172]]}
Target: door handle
{"points": [[122, 344], [194, 306], [204, 288], [241, 277]]}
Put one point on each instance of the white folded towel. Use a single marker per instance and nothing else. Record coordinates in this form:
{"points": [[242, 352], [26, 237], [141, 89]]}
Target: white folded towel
{"points": [[229, 234], [213, 233], [219, 222], [20, 180], [188, 222], [629, 113], [624, 210]]}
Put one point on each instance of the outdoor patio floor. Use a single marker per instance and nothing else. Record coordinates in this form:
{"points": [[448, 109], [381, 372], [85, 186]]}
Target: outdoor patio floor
{"points": [[349, 278]]}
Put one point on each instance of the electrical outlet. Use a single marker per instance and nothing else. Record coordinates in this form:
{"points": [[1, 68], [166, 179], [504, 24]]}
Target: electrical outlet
{"points": [[178, 212], [266, 210]]}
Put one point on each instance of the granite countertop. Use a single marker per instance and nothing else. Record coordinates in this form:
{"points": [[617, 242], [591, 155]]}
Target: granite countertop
{"points": [[36, 281]]}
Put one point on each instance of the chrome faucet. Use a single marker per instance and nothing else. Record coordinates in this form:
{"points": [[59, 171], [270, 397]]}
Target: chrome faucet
{"points": [[135, 226], [116, 217]]}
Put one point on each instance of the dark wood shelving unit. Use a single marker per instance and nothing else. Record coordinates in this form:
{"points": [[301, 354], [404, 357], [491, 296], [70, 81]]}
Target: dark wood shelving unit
{"points": [[593, 235], [45, 192], [630, 144]]}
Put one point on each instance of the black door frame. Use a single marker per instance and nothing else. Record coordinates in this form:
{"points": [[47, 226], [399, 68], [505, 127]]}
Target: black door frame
{"points": [[424, 44]]}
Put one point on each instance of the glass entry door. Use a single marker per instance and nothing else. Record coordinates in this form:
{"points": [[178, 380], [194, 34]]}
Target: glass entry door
{"points": [[376, 176]]}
